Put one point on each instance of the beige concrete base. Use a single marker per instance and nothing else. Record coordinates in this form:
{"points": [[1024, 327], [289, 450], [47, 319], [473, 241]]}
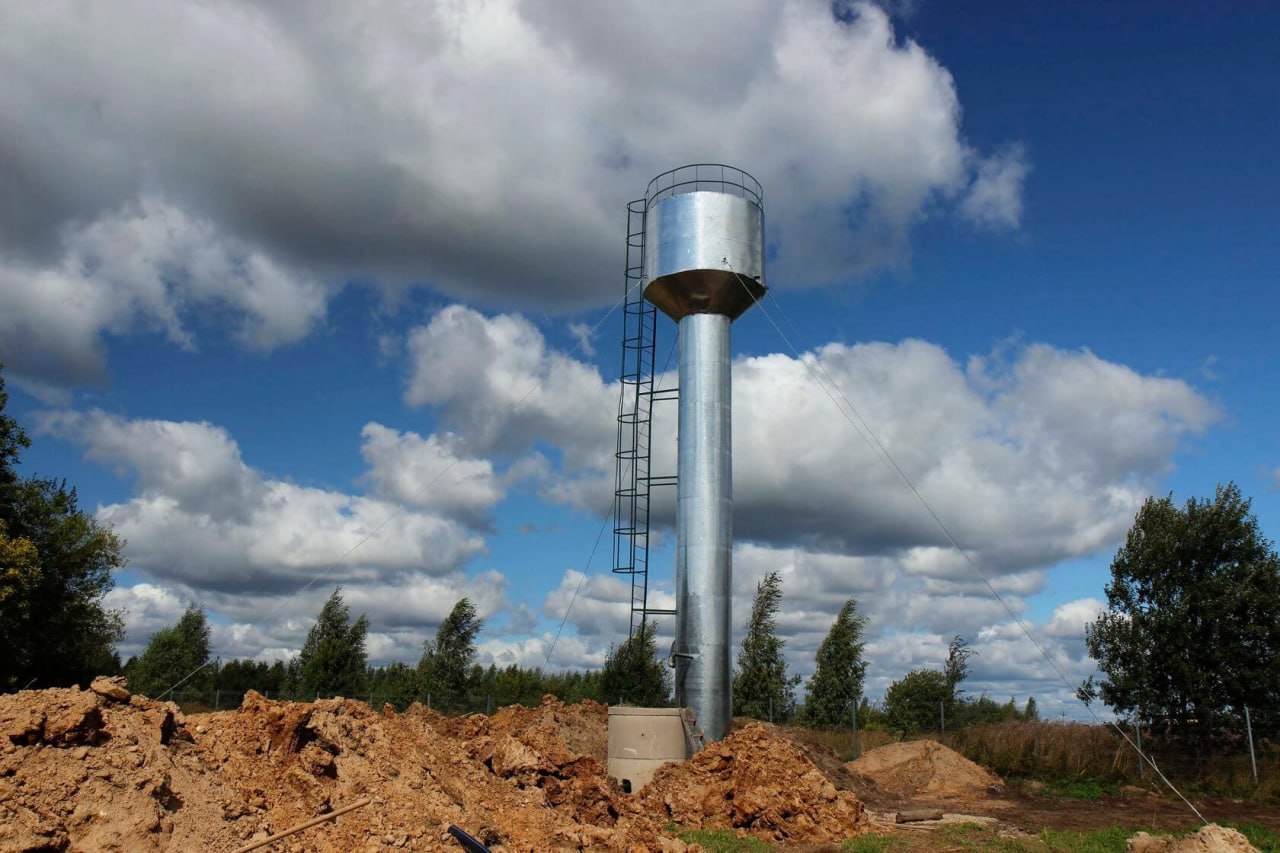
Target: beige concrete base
{"points": [[640, 741]]}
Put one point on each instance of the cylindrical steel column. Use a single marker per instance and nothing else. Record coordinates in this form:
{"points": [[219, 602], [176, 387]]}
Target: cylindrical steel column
{"points": [[704, 524]]}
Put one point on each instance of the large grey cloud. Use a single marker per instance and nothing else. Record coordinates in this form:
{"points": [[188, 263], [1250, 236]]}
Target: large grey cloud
{"points": [[258, 157]]}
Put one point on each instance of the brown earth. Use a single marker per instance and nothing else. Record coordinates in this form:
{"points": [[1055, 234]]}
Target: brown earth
{"points": [[1209, 839], [924, 769], [100, 770]]}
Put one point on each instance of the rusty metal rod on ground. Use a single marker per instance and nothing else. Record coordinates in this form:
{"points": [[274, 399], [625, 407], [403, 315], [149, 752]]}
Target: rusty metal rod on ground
{"points": [[307, 825]]}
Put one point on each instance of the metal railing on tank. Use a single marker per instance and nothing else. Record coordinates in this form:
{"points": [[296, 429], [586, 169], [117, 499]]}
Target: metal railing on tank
{"points": [[704, 177]]}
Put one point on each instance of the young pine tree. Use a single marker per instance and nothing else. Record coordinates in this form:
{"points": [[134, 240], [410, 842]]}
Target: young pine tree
{"points": [[761, 686], [333, 660], [632, 673], [839, 671], [173, 654], [445, 668]]}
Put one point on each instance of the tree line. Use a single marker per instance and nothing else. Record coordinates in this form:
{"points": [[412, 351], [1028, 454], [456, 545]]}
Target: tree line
{"points": [[1189, 637]]}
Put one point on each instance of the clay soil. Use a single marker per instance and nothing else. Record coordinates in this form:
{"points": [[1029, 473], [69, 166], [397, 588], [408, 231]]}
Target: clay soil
{"points": [[101, 770]]}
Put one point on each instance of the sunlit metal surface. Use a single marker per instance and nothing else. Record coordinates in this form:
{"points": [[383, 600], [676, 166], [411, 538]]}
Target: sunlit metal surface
{"points": [[696, 246], [704, 522]]}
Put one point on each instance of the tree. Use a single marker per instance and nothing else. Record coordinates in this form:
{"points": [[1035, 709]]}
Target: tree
{"points": [[1030, 713], [761, 687], [914, 703], [55, 629], [1190, 633], [333, 659], [444, 669], [632, 672], [839, 671], [172, 654], [956, 668]]}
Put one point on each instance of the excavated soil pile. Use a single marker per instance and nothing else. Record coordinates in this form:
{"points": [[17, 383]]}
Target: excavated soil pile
{"points": [[100, 770], [1210, 839], [926, 769], [754, 780]]}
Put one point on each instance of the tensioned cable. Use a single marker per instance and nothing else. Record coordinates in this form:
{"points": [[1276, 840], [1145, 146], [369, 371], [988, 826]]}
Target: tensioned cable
{"points": [[402, 508], [883, 453]]}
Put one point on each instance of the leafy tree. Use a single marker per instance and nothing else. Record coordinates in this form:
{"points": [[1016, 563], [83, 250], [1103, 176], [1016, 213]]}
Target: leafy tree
{"points": [[760, 682], [444, 670], [839, 671], [172, 654], [632, 672], [1030, 713], [1190, 633], [13, 440], [333, 658], [54, 628], [913, 703]]}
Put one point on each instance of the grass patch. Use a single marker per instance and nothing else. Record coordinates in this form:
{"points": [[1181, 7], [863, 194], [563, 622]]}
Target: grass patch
{"points": [[1080, 789], [871, 844], [977, 836], [1113, 839], [723, 841]]}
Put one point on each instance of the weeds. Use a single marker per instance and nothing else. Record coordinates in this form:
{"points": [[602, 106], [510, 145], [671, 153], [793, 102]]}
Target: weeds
{"points": [[871, 844], [723, 841]]}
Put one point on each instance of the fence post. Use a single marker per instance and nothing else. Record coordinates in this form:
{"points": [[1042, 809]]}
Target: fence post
{"points": [[855, 751], [1253, 761], [428, 701], [217, 699], [771, 709], [942, 719]]}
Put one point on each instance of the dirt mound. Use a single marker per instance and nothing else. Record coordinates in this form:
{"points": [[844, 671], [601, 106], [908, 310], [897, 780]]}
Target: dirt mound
{"points": [[1210, 839], [98, 769], [79, 769], [924, 768], [758, 781]]}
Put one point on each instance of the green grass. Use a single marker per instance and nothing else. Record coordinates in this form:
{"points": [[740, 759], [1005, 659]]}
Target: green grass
{"points": [[1080, 789], [1113, 839], [977, 836], [723, 841], [871, 844]]}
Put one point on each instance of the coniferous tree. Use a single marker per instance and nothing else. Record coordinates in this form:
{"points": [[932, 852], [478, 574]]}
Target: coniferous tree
{"points": [[173, 654], [1030, 713], [333, 660], [761, 686], [1190, 635], [632, 673], [838, 672], [956, 668], [445, 668]]}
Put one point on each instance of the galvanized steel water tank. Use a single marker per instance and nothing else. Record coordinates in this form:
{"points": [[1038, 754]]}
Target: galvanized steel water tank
{"points": [[704, 241]]}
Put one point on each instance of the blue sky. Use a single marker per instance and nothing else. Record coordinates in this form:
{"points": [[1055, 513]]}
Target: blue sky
{"points": [[252, 290]]}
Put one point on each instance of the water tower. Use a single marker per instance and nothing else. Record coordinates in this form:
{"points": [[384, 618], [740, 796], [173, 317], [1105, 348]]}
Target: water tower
{"points": [[703, 267]]}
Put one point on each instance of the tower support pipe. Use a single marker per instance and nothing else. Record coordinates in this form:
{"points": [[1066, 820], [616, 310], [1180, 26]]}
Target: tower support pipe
{"points": [[704, 523]]}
